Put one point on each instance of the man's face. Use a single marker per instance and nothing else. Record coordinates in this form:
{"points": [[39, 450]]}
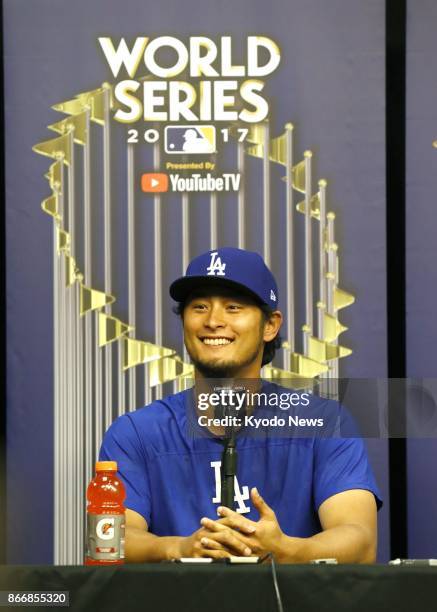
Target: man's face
{"points": [[224, 333]]}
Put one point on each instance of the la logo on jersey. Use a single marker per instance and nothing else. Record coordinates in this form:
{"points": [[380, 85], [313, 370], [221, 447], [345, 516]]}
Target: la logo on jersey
{"points": [[241, 494], [216, 267]]}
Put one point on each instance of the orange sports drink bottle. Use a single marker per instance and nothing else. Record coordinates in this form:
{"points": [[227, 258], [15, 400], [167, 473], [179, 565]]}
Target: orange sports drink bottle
{"points": [[105, 516]]}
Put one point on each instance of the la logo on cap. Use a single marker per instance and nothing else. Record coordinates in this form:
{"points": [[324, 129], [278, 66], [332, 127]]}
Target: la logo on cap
{"points": [[272, 295], [216, 267]]}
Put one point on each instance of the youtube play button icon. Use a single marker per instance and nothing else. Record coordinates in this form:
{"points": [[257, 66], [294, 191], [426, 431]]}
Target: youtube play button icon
{"points": [[154, 182]]}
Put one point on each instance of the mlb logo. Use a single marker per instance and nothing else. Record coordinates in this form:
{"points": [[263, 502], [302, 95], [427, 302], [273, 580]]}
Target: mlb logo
{"points": [[190, 139]]}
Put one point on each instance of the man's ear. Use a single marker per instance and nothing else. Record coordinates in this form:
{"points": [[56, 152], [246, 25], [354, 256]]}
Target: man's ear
{"points": [[272, 326]]}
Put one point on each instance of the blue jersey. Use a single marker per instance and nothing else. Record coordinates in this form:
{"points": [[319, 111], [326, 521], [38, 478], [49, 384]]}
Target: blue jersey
{"points": [[172, 477]]}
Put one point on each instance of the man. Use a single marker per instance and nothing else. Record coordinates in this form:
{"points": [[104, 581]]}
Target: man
{"points": [[318, 494]]}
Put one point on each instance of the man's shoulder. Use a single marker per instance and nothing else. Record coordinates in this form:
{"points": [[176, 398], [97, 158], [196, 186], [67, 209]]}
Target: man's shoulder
{"points": [[168, 408], [151, 426]]}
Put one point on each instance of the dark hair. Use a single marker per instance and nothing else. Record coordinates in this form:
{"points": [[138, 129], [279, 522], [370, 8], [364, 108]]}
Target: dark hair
{"points": [[276, 343], [269, 347]]}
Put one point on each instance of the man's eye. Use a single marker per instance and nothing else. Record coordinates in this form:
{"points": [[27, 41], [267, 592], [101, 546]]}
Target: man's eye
{"points": [[199, 306], [234, 306]]}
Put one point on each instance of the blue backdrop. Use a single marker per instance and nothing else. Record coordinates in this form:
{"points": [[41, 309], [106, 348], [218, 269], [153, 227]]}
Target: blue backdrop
{"points": [[330, 83], [421, 221]]}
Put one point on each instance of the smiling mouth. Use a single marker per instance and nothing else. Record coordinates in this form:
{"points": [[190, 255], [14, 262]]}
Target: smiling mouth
{"points": [[216, 341]]}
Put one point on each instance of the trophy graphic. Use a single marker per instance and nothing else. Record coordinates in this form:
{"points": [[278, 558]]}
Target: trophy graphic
{"points": [[102, 366]]}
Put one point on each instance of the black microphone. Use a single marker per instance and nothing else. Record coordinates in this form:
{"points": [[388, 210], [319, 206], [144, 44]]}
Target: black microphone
{"points": [[229, 455], [229, 470]]}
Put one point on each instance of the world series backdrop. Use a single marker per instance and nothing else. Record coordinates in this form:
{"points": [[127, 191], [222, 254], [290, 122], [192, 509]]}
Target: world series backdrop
{"points": [[151, 132]]}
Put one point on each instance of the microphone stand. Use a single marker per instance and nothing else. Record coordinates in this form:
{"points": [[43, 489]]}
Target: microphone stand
{"points": [[229, 469]]}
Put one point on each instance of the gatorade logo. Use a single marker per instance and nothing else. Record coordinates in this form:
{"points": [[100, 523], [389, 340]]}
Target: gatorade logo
{"points": [[154, 182], [105, 529]]}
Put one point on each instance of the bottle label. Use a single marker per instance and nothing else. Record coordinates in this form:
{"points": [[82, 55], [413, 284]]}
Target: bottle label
{"points": [[105, 537]]}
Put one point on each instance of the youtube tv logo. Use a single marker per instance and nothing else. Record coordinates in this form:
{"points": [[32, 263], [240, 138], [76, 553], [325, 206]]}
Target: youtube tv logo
{"points": [[154, 182]]}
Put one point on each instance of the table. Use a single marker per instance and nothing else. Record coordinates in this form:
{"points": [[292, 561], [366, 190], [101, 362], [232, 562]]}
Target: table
{"points": [[217, 587]]}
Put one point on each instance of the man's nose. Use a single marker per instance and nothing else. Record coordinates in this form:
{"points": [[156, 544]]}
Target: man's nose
{"points": [[215, 317]]}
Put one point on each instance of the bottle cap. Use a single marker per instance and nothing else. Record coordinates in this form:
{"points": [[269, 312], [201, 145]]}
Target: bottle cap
{"points": [[103, 466]]}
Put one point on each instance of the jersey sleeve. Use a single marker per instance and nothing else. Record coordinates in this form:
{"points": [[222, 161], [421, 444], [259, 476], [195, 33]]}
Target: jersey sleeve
{"points": [[342, 464], [122, 444]]}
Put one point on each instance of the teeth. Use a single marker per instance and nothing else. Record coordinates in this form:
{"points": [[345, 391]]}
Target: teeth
{"points": [[216, 341]]}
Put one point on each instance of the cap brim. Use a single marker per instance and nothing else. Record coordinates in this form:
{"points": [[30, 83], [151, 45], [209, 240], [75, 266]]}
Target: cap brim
{"points": [[181, 288]]}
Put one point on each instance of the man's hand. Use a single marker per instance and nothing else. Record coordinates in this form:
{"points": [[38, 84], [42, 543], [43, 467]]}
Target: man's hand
{"points": [[260, 537], [349, 531], [219, 544], [141, 545]]}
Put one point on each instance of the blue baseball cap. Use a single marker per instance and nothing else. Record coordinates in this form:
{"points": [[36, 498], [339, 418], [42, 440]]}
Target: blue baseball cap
{"points": [[232, 267]]}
